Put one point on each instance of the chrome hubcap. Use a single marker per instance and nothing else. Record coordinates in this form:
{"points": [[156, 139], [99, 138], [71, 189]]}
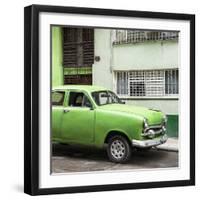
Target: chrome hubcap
{"points": [[117, 149]]}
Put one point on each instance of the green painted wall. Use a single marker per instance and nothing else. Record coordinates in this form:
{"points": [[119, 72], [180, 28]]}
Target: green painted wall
{"points": [[172, 125], [57, 56]]}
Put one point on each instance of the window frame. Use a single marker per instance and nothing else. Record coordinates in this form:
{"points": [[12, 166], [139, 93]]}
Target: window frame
{"points": [[127, 36], [75, 42], [128, 97], [106, 91], [64, 96], [79, 91]]}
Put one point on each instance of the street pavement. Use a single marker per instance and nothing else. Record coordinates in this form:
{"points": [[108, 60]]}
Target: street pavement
{"points": [[81, 159], [170, 145]]}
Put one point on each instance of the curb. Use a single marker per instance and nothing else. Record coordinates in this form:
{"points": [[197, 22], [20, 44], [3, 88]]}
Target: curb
{"points": [[165, 148]]}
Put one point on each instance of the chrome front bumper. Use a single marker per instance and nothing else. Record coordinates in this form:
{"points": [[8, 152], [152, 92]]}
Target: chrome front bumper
{"points": [[150, 142]]}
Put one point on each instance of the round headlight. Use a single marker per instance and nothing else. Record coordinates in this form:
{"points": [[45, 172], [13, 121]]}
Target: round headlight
{"points": [[151, 133]]}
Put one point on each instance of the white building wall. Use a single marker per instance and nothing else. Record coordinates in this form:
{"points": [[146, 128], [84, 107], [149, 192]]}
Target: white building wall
{"points": [[102, 72], [140, 56], [146, 55]]}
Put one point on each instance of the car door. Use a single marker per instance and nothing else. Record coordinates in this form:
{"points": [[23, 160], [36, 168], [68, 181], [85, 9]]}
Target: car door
{"points": [[78, 119], [57, 101]]}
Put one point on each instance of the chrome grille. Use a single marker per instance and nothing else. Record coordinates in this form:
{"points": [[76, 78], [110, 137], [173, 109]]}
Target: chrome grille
{"points": [[152, 131]]}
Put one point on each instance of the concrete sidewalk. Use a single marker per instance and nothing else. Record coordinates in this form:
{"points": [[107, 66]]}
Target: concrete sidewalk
{"points": [[170, 145]]}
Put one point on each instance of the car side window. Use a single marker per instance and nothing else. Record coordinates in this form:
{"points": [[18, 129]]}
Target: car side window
{"points": [[57, 98], [79, 99], [102, 98]]}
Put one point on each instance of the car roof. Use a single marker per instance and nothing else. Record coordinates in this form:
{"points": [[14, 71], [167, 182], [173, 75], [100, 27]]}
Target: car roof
{"points": [[88, 88]]}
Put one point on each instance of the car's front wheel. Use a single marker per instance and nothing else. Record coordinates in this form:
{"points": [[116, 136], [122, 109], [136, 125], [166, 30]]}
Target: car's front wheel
{"points": [[118, 149]]}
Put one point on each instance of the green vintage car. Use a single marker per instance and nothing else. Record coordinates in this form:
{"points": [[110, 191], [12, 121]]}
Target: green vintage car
{"points": [[95, 116]]}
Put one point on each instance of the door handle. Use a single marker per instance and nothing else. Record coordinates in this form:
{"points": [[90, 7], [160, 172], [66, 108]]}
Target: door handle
{"points": [[66, 110]]}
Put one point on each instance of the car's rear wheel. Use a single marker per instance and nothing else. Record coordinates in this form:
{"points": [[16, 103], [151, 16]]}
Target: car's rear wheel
{"points": [[118, 149]]}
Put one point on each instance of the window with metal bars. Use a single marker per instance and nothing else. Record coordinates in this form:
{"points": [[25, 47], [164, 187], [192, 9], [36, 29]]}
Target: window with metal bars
{"points": [[81, 79], [147, 83], [78, 47], [135, 36]]}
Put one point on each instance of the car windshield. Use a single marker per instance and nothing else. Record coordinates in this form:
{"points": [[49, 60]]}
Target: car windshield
{"points": [[105, 97]]}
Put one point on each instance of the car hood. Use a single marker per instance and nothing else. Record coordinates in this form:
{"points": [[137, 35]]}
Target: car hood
{"points": [[153, 116]]}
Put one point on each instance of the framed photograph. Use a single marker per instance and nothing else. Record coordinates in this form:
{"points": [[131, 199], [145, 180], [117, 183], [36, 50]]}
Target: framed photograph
{"points": [[109, 99]]}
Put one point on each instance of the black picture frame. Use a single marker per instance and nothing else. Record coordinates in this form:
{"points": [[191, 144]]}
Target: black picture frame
{"points": [[31, 98]]}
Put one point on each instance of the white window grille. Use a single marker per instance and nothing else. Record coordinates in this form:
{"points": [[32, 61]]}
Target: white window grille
{"points": [[135, 36], [147, 83]]}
